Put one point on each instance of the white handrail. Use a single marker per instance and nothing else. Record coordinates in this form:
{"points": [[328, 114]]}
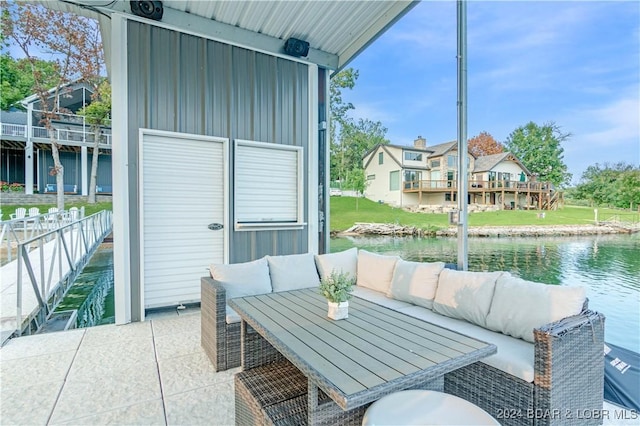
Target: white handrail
{"points": [[50, 262]]}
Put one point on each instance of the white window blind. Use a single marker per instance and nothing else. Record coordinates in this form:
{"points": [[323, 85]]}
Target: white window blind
{"points": [[268, 184]]}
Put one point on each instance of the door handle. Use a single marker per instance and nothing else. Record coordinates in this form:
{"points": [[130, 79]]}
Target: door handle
{"points": [[215, 226]]}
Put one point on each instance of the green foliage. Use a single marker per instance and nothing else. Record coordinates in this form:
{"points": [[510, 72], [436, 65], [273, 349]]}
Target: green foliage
{"points": [[356, 138], [17, 81], [97, 113], [337, 287], [615, 185], [540, 150]]}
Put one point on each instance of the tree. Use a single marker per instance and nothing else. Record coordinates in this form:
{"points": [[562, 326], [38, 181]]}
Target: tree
{"points": [[345, 79], [357, 179], [97, 114], [356, 138], [540, 150], [484, 144], [615, 185], [74, 43], [16, 78]]}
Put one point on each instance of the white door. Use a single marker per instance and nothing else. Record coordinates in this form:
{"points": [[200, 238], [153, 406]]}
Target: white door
{"points": [[183, 225]]}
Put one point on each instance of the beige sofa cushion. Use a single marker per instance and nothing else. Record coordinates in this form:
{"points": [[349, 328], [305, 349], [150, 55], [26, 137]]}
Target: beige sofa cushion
{"points": [[292, 272], [519, 306], [415, 282], [514, 356], [243, 279], [342, 262], [375, 271], [465, 295]]}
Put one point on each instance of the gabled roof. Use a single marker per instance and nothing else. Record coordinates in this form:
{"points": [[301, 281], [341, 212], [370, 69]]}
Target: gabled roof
{"points": [[384, 148], [487, 162], [403, 147], [442, 148], [337, 31]]}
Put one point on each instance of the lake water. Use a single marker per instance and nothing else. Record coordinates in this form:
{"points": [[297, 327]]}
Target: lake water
{"points": [[608, 266]]}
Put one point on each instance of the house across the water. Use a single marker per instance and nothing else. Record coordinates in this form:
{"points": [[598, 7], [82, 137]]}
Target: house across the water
{"points": [[426, 177]]}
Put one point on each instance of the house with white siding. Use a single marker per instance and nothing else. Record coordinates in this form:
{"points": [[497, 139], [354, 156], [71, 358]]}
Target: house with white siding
{"points": [[423, 175]]}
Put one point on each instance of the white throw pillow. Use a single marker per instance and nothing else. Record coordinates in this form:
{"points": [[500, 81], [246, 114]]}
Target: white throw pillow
{"points": [[292, 272], [375, 271], [415, 282], [465, 295], [342, 262], [243, 279], [519, 306]]}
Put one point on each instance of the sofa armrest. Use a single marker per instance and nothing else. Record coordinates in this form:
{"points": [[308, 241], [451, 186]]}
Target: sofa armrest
{"points": [[213, 325], [569, 367]]}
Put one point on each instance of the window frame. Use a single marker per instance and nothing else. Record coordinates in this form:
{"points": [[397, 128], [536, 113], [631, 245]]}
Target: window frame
{"points": [[276, 223]]}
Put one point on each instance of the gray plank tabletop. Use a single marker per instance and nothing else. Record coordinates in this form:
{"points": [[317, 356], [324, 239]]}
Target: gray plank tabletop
{"points": [[373, 352]]}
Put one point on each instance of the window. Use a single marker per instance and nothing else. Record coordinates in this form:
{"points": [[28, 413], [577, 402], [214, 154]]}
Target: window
{"points": [[381, 158], [435, 163], [452, 161], [371, 177], [268, 182], [394, 180], [412, 179], [447, 196], [451, 176], [412, 156]]}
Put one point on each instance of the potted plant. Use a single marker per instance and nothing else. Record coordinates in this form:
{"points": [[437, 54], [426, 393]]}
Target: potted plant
{"points": [[337, 287]]}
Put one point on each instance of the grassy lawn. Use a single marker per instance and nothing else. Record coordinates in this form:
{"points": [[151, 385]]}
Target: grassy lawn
{"points": [[89, 209], [344, 215]]}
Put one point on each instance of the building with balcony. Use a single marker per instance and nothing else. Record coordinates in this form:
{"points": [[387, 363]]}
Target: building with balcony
{"points": [[418, 175], [25, 156]]}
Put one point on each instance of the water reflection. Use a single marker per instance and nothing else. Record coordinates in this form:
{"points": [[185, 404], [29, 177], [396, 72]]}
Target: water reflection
{"points": [[608, 266]]}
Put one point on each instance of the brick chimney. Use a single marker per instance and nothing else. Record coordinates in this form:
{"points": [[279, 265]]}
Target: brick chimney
{"points": [[420, 142]]}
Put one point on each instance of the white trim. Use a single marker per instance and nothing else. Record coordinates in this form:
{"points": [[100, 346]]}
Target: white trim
{"points": [[225, 222], [120, 171], [84, 184], [276, 225], [327, 159], [312, 161]]}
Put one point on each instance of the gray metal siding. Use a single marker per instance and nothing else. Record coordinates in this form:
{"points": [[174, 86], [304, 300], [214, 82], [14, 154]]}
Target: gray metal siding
{"points": [[178, 82]]}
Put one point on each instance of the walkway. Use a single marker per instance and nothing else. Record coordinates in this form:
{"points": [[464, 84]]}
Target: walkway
{"points": [[153, 372], [9, 284]]}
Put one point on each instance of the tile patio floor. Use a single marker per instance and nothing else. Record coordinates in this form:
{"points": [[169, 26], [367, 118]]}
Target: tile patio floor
{"points": [[149, 373]]}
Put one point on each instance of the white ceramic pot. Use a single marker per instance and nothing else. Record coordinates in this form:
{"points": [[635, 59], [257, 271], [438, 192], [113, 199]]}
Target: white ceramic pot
{"points": [[338, 311]]}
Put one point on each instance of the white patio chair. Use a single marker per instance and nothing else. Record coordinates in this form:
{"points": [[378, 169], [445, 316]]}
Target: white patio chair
{"points": [[34, 211], [20, 213], [74, 214], [52, 218]]}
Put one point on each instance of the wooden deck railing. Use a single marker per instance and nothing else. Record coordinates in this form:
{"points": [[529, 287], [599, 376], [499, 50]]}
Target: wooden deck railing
{"points": [[476, 186]]}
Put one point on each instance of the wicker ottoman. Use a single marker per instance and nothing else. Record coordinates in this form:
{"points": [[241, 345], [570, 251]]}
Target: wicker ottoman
{"points": [[419, 407]]}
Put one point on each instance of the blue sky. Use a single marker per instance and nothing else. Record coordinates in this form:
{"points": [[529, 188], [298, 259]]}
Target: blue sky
{"points": [[575, 63]]}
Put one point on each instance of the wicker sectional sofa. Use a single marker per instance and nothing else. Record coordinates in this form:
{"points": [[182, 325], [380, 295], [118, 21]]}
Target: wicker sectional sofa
{"points": [[549, 368]]}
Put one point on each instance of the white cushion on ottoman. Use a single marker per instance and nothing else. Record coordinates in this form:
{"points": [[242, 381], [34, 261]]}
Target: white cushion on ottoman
{"points": [[425, 407]]}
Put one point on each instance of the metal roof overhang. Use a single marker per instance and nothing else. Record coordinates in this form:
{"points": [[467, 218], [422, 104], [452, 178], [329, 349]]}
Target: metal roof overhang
{"points": [[337, 31]]}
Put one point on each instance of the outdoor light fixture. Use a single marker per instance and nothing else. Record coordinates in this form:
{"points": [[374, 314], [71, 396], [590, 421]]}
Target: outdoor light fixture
{"points": [[147, 9], [295, 47]]}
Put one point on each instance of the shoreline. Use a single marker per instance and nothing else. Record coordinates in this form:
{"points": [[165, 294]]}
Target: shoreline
{"points": [[488, 231]]}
